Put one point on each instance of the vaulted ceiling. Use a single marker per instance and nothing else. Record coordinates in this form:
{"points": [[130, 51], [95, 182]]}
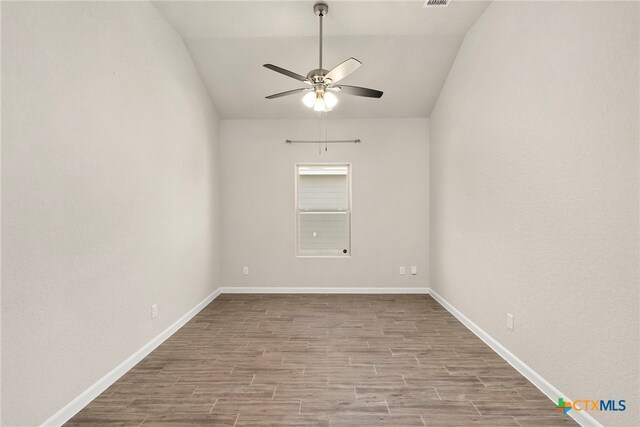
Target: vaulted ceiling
{"points": [[406, 51]]}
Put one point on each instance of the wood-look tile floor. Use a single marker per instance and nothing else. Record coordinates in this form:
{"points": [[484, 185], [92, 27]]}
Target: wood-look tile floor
{"points": [[322, 360]]}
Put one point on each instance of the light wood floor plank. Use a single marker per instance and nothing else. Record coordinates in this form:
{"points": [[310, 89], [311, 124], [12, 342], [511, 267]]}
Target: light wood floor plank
{"points": [[322, 360]]}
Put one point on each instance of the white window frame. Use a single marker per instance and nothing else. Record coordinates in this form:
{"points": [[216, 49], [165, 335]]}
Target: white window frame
{"points": [[297, 211]]}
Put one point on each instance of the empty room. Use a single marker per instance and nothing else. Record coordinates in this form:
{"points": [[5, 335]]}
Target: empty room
{"points": [[320, 213]]}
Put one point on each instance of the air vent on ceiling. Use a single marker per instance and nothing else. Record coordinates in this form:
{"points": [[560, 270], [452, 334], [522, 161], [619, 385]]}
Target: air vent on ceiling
{"points": [[437, 3]]}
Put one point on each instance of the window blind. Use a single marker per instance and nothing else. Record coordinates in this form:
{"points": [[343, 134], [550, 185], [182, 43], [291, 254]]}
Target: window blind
{"points": [[323, 210]]}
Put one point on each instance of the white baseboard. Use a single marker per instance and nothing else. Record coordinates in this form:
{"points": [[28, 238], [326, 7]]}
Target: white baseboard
{"points": [[73, 407], [319, 290], [543, 385]]}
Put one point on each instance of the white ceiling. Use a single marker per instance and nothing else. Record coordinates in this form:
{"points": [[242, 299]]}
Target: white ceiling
{"points": [[406, 51]]}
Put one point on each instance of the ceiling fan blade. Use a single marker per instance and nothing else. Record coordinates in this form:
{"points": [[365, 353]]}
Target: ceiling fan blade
{"points": [[287, 73], [289, 92], [359, 91], [343, 69]]}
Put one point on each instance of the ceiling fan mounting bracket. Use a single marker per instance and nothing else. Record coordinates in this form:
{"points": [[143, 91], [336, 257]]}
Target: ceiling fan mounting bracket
{"points": [[321, 9]]}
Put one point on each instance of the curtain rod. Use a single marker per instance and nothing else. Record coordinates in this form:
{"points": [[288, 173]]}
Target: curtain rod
{"points": [[335, 141]]}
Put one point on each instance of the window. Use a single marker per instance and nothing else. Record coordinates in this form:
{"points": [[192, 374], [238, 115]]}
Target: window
{"points": [[323, 210]]}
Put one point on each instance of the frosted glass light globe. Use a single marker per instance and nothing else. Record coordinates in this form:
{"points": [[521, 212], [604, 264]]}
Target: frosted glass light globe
{"points": [[309, 99], [319, 105], [330, 100]]}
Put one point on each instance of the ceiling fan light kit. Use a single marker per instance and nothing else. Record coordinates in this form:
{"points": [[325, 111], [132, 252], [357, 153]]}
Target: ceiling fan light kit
{"points": [[322, 83], [320, 101]]}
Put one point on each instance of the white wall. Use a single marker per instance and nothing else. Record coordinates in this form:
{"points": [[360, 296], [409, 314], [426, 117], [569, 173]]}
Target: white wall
{"points": [[390, 202], [534, 191], [109, 198]]}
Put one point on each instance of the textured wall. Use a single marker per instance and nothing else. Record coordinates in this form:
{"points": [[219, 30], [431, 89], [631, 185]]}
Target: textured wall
{"points": [[109, 151], [534, 191], [390, 202]]}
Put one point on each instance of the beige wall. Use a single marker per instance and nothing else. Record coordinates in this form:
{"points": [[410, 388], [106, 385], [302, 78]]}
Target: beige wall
{"points": [[109, 153], [390, 202], [534, 191]]}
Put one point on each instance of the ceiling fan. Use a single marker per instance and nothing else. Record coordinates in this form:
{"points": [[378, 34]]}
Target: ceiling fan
{"points": [[321, 83]]}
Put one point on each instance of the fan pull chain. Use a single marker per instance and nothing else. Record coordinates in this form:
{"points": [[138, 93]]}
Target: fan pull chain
{"points": [[325, 133], [319, 134]]}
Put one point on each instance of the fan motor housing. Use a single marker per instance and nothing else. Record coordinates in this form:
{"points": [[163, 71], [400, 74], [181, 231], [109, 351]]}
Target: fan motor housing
{"points": [[317, 75]]}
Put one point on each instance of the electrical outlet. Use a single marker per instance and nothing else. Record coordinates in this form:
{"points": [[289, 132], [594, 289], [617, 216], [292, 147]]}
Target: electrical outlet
{"points": [[154, 311], [414, 270], [402, 271], [245, 271], [510, 321]]}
